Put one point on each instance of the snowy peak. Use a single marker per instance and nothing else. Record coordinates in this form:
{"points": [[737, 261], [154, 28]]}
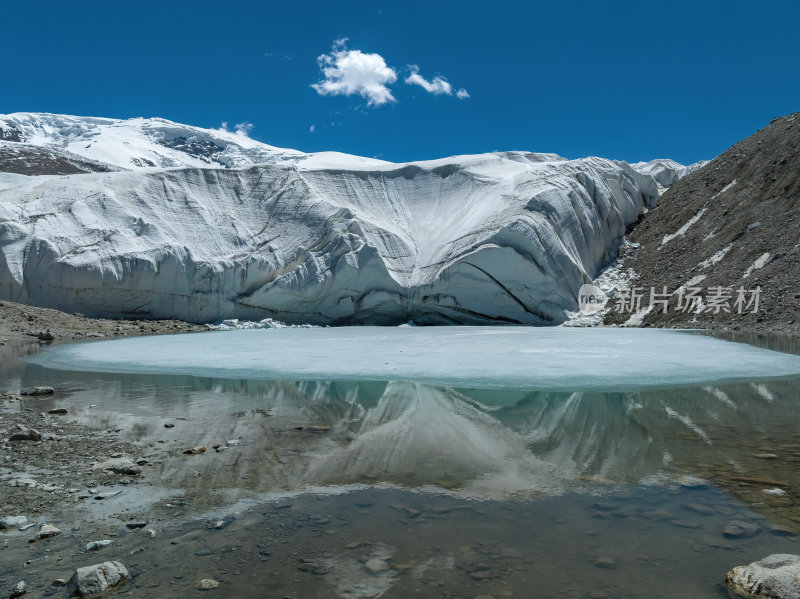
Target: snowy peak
{"points": [[666, 171], [138, 142]]}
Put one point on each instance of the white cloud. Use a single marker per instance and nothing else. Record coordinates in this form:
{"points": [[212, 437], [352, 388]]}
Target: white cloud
{"points": [[243, 129], [439, 85], [312, 128], [462, 94], [352, 72]]}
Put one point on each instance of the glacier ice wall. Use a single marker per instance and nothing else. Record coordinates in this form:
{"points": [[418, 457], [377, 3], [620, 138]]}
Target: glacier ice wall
{"points": [[504, 237]]}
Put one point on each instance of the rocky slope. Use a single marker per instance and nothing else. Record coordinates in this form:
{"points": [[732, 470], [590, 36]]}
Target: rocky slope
{"points": [[733, 224], [199, 235]]}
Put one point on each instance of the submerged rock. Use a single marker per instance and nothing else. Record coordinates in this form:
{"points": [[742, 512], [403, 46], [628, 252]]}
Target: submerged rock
{"points": [[93, 580], [777, 576], [45, 532], [95, 545], [605, 562], [207, 584], [33, 391], [18, 590], [736, 529], [376, 565]]}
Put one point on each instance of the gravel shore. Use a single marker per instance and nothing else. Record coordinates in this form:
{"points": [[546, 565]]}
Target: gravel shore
{"points": [[20, 323]]}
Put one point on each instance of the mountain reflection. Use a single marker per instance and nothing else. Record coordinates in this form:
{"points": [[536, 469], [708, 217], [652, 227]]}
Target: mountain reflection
{"points": [[484, 443]]}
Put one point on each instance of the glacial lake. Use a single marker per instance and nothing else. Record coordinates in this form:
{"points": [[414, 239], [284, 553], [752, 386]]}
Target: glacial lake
{"points": [[448, 462]]}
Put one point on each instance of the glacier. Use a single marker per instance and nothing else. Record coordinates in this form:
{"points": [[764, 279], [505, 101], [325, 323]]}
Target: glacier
{"points": [[666, 171], [544, 358], [205, 225]]}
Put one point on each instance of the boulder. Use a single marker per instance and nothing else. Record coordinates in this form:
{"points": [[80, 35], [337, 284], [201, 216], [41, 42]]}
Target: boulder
{"points": [[18, 590], [119, 466], [777, 576], [12, 522], [45, 532], [25, 434], [33, 391], [93, 580], [95, 545]]}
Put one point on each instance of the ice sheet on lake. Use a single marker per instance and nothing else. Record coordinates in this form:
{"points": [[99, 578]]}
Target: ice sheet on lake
{"points": [[493, 357]]}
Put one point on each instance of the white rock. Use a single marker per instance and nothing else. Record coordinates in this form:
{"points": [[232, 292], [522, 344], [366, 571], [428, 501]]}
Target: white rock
{"points": [[93, 580], [503, 237], [376, 565], [12, 522], [18, 590], [45, 532], [119, 466], [207, 584], [95, 545], [777, 576]]}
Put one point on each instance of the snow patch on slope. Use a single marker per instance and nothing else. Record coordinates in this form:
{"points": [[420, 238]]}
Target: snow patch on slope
{"points": [[682, 231], [760, 262], [716, 257]]}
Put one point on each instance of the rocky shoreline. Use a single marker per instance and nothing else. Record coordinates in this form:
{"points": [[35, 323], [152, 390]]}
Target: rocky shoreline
{"points": [[21, 323]]}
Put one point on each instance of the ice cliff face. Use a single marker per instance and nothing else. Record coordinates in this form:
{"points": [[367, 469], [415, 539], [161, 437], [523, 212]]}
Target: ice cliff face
{"points": [[324, 238]]}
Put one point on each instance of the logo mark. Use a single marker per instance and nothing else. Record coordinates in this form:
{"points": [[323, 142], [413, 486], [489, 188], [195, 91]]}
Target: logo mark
{"points": [[591, 299]]}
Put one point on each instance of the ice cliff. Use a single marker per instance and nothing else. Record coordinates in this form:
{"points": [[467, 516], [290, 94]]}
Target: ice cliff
{"points": [[216, 225]]}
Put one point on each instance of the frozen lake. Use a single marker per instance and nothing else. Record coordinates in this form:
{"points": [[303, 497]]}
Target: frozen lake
{"points": [[491, 357]]}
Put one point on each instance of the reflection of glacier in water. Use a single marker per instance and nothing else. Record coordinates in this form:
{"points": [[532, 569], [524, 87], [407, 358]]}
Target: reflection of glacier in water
{"points": [[506, 444], [420, 435], [478, 443]]}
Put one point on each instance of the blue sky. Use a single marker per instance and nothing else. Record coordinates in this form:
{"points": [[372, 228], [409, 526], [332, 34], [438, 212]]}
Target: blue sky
{"points": [[625, 80]]}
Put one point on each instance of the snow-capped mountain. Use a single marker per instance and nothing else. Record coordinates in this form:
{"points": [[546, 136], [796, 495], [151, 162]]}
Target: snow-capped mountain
{"points": [[666, 171], [206, 224], [138, 143]]}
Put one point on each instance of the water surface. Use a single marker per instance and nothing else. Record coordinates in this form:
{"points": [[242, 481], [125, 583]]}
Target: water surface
{"points": [[461, 490]]}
